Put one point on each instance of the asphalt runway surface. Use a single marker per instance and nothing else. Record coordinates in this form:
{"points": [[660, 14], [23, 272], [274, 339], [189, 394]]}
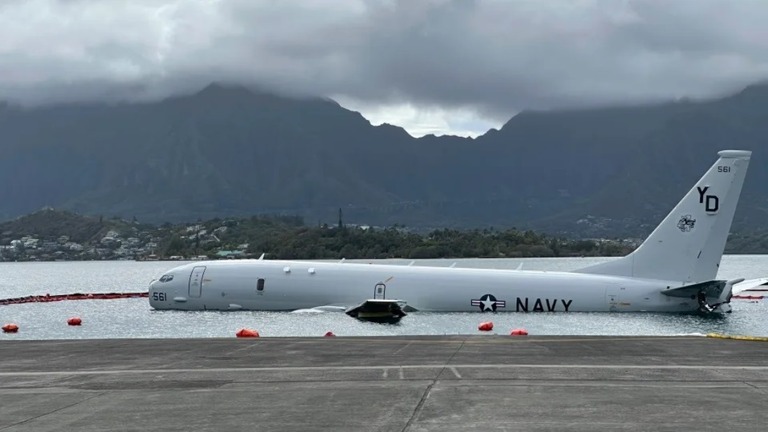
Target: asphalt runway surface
{"points": [[440, 383]]}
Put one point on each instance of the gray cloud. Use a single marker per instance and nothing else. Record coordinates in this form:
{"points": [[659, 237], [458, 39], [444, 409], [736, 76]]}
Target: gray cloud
{"points": [[494, 57]]}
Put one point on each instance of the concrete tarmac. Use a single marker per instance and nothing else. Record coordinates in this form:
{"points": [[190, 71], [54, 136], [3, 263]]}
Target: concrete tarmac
{"points": [[454, 383]]}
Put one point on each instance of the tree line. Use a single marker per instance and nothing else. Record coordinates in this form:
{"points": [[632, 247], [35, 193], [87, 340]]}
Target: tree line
{"points": [[289, 238]]}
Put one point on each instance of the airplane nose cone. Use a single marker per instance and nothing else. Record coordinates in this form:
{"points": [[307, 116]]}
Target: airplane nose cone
{"points": [[156, 295], [151, 290], [152, 286], [163, 292]]}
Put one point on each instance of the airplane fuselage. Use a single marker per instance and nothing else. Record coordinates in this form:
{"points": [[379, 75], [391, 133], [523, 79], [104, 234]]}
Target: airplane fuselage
{"points": [[673, 270], [291, 285]]}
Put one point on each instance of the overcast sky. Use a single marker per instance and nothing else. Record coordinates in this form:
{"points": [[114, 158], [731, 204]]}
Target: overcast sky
{"points": [[430, 66]]}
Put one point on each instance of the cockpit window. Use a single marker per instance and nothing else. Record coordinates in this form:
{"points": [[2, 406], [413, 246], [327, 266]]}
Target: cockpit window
{"points": [[166, 278]]}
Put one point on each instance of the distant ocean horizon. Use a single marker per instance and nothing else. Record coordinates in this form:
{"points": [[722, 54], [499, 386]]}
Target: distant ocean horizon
{"points": [[133, 318]]}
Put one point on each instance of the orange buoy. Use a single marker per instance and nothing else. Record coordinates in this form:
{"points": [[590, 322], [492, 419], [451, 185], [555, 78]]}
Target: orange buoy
{"points": [[74, 321], [10, 328], [246, 333], [329, 334], [485, 326], [519, 332]]}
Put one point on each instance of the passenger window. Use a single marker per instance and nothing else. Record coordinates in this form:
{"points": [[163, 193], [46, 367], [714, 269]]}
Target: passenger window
{"points": [[260, 285]]}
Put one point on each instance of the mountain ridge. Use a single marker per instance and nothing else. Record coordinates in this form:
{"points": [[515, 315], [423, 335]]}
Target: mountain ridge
{"points": [[227, 150]]}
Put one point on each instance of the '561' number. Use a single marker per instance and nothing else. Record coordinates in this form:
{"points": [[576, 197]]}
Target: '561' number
{"points": [[158, 296]]}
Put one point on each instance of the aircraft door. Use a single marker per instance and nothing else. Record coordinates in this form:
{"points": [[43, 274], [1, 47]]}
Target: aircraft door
{"points": [[196, 281], [380, 291]]}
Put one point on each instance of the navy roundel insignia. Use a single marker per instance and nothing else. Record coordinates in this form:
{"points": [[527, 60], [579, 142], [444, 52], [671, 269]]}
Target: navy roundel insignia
{"points": [[488, 303]]}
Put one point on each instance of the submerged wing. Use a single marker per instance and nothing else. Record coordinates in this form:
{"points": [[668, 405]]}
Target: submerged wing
{"points": [[324, 308]]}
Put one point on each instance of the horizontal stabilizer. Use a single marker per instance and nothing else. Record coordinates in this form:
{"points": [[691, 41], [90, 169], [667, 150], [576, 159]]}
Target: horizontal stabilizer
{"points": [[712, 289], [711, 295], [751, 285]]}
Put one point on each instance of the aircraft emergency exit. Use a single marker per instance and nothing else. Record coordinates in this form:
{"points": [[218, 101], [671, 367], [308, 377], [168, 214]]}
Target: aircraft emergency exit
{"points": [[674, 270]]}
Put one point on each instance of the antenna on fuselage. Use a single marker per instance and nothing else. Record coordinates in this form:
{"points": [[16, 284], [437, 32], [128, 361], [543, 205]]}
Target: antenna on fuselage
{"points": [[342, 260], [261, 258]]}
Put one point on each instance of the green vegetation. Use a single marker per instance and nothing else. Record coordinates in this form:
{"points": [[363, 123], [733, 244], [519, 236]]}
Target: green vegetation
{"points": [[60, 235], [288, 238]]}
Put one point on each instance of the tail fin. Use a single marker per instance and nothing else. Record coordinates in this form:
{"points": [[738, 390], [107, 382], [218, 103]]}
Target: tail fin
{"points": [[688, 244]]}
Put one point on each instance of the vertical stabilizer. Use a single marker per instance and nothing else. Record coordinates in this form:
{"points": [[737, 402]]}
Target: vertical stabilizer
{"points": [[688, 244]]}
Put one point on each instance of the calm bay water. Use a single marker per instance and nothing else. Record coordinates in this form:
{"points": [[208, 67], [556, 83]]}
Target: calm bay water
{"points": [[133, 318]]}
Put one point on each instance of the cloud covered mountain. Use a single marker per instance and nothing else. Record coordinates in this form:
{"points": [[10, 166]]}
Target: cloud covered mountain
{"points": [[227, 150]]}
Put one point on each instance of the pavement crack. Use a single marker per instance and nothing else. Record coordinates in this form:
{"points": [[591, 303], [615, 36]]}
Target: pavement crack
{"points": [[420, 405], [749, 384], [51, 412], [399, 350], [428, 390]]}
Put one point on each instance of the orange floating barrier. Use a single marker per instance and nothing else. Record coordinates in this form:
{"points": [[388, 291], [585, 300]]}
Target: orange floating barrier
{"points": [[10, 328], [485, 326], [76, 296], [74, 321], [519, 332], [246, 333], [329, 334]]}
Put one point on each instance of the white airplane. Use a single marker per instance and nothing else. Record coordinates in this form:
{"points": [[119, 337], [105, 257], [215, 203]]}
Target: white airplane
{"points": [[674, 270]]}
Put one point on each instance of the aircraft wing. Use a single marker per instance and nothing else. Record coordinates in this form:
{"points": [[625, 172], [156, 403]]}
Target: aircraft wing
{"points": [[324, 308], [340, 308], [378, 310]]}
